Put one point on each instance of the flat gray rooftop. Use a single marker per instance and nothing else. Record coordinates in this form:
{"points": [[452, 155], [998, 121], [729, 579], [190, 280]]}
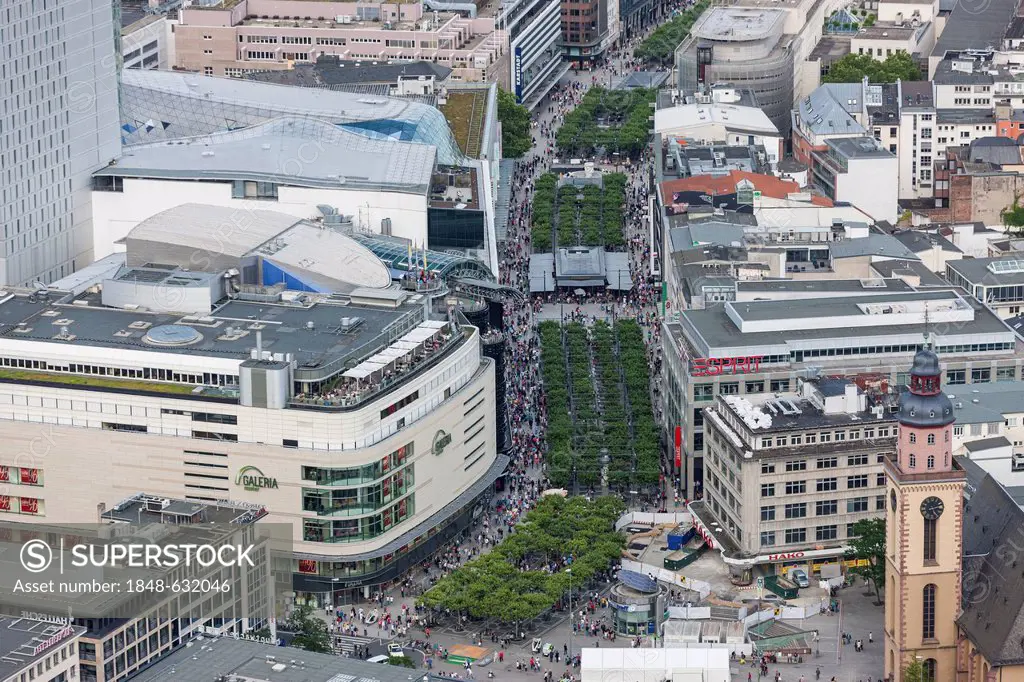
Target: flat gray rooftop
{"points": [[285, 327], [975, 270], [208, 659], [737, 23], [20, 636], [810, 417], [854, 286], [859, 148], [717, 330]]}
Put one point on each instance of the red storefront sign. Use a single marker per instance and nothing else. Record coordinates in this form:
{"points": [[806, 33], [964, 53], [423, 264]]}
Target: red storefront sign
{"points": [[29, 505], [709, 539], [679, 447], [5, 503], [5, 474], [30, 476], [785, 557], [709, 367], [307, 566]]}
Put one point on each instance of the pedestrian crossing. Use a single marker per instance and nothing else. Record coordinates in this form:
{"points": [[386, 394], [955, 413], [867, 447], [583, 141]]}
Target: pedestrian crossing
{"points": [[347, 643]]}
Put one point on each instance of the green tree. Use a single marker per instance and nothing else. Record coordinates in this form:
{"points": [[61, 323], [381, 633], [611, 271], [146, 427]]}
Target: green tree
{"points": [[401, 661], [660, 46], [310, 632], [869, 545], [515, 125], [913, 672], [1013, 216], [853, 67]]}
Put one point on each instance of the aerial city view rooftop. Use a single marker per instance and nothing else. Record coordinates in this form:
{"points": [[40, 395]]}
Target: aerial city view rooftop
{"points": [[575, 340]]}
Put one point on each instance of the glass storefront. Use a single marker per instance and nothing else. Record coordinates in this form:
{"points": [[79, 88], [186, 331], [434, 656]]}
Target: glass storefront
{"points": [[361, 474], [357, 530], [360, 500]]}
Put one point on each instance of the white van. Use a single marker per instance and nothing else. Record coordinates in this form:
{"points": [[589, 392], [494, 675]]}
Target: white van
{"points": [[378, 659]]}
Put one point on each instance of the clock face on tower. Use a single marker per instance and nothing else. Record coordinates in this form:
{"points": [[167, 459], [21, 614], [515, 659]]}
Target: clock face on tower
{"points": [[932, 508]]}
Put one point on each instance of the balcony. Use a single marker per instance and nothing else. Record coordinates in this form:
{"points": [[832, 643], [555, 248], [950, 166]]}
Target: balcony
{"points": [[357, 386]]}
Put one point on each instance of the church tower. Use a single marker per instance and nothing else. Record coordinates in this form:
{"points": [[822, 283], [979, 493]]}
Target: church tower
{"points": [[924, 523]]}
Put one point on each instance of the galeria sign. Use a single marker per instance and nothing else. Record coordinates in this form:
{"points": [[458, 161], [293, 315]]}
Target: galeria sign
{"points": [[252, 479]]}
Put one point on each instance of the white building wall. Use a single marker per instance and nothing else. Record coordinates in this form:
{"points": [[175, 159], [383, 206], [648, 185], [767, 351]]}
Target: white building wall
{"points": [[116, 213], [148, 43], [60, 123], [872, 185]]}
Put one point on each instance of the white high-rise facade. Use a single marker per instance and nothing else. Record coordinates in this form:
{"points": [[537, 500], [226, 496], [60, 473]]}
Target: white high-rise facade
{"points": [[59, 123]]}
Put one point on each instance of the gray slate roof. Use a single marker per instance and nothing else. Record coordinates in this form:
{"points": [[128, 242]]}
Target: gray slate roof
{"points": [[827, 110], [919, 242], [872, 245], [971, 26], [992, 588]]}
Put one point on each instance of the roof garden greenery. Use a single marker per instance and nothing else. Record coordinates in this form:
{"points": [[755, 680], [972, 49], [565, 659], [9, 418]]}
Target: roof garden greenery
{"points": [[608, 122], [94, 381], [465, 111]]}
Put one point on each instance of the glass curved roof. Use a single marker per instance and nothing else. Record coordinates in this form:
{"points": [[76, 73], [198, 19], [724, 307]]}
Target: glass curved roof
{"points": [[395, 254], [163, 105]]}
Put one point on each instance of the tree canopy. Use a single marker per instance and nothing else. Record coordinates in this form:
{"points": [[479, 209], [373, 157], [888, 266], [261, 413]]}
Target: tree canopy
{"points": [[869, 545], [1013, 216], [511, 583], [660, 46], [615, 120], [310, 632], [515, 125], [853, 67]]}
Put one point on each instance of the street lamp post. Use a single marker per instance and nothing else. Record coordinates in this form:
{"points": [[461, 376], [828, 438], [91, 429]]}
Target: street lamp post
{"points": [[572, 623]]}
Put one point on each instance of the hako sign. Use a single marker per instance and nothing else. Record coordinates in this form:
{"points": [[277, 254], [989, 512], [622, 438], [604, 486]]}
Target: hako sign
{"points": [[252, 479]]}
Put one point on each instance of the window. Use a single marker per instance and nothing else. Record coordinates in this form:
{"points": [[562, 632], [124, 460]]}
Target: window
{"points": [[794, 535], [931, 439], [1006, 374], [931, 461], [981, 375], [826, 532], [779, 385], [781, 441], [812, 438], [840, 436], [767, 538], [796, 487], [131, 428], [767, 490], [880, 503], [856, 505], [827, 484], [857, 460], [289, 443], [729, 388], [913, 460], [796, 465], [754, 387], [826, 508], [930, 526], [766, 442], [796, 511], [396, 406], [928, 612], [767, 468], [767, 513], [703, 391], [212, 435], [929, 667], [825, 437], [860, 481], [828, 462], [913, 438], [956, 376], [958, 430], [796, 440], [879, 479], [214, 418]]}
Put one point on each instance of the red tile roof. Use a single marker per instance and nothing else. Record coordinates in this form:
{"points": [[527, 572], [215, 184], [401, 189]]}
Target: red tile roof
{"points": [[768, 185]]}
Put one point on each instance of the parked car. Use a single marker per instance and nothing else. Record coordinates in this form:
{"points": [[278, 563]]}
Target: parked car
{"points": [[548, 648], [396, 650], [799, 576], [536, 646]]}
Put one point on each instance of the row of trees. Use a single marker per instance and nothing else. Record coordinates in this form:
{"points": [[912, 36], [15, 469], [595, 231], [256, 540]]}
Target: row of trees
{"points": [[587, 215], [511, 584], [660, 47], [516, 138], [610, 120], [607, 413]]}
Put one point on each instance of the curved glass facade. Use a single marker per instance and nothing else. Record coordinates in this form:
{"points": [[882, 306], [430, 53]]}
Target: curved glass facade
{"points": [[165, 105], [395, 254]]}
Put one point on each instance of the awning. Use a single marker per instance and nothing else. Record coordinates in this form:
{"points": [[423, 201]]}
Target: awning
{"points": [[542, 269], [617, 271]]}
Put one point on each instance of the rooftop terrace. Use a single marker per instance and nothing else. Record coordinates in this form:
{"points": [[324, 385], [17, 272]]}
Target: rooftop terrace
{"points": [[466, 111]]}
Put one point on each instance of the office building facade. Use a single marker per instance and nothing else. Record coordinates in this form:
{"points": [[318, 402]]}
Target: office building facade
{"points": [[60, 123]]}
